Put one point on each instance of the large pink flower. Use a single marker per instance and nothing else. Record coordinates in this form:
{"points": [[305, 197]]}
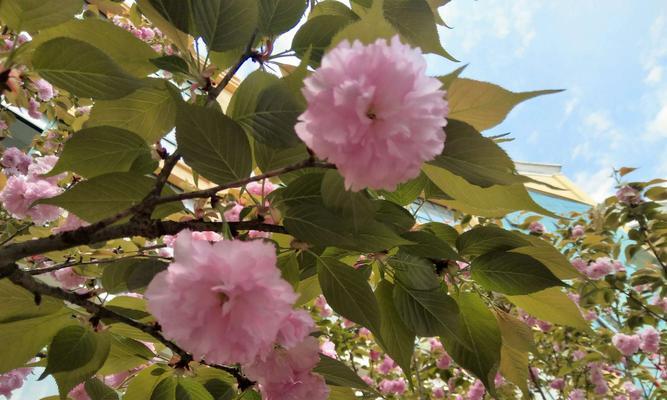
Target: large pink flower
{"points": [[285, 374], [374, 112], [20, 192], [224, 302], [626, 344], [650, 340], [12, 380], [15, 161]]}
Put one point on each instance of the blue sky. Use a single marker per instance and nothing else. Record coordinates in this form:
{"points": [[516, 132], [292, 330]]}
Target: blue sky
{"points": [[609, 55]]}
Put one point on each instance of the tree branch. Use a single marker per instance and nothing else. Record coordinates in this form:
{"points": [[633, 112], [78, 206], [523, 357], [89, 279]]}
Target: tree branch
{"points": [[215, 91], [69, 264], [25, 280]]}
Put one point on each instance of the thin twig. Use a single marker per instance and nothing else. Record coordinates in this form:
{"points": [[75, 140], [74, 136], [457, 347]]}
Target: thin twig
{"points": [[536, 383], [60, 266], [15, 234], [215, 91]]}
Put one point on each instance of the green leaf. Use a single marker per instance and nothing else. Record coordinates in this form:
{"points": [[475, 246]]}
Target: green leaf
{"points": [[548, 255], [428, 312], [415, 22], [190, 389], [270, 158], [341, 393], [517, 343], [180, 39], [35, 15], [142, 386], [551, 305], [398, 340], [317, 34], [106, 195], [24, 346], [479, 160], [348, 292], [414, 272], [484, 105], [338, 374], [131, 275], [96, 151], [83, 70], [225, 24], [354, 205], [288, 264], [131, 53], [442, 231], [370, 27], [213, 144], [67, 380], [18, 303], [219, 383], [177, 12], [171, 63], [333, 7], [485, 239], [407, 192], [494, 201], [266, 109], [478, 325], [278, 16], [71, 348], [124, 355], [512, 273], [99, 391], [451, 77], [428, 245]]}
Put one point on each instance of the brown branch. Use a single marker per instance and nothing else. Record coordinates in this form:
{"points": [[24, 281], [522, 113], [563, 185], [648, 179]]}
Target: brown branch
{"points": [[69, 264], [215, 91], [25, 280]]}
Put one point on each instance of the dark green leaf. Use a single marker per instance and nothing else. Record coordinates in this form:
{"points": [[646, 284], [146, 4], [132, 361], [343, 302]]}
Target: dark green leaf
{"points": [[225, 24], [485, 239], [97, 390], [278, 16], [131, 275], [428, 245], [177, 12], [397, 339], [71, 348], [142, 386], [171, 63], [270, 158], [414, 272], [512, 273], [316, 34], [338, 374], [83, 70], [407, 192], [69, 379], [212, 144], [35, 15]]}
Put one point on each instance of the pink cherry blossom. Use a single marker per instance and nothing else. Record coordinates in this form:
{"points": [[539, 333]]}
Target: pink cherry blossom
{"points": [[147, 34], [628, 195], [328, 348], [208, 236], [650, 340], [634, 393], [578, 231], [476, 391], [79, 393], [436, 345], [626, 344], [296, 327], [599, 268], [19, 193], [536, 227], [68, 278], [661, 302], [374, 354], [577, 394], [597, 378], [544, 325], [498, 380], [253, 234], [590, 315], [3, 125], [286, 373], [387, 365], [395, 386], [438, 393], [364, 333], [557, 384], [322, 307], [578, 355], [15, 162], [224, 302], [374, 112], [234, 213], [368, 380], [12, 380], [580, 265], [45, 91], [71, 223], [33, 109], [43, 165], [444, 362], [260, 189]]}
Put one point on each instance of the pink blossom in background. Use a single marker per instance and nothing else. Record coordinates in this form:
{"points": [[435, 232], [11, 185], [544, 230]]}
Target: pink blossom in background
{"points": [[476, 391], [328, 348], [626, 344], [650, 340], [12, 380], [252, 234], [20, 192], [207, 236], [224, 302], [79, 111], [590, 315], [438, 393], [544, 325], [395, 386], [33, 109], [234, 213], [296, 327], [498, 380], [158, 49], [71, 223], [22, 38], [15, 162], [628, 195], [387, 365], [634, 393], [79, 393], [557, 384], [68, 278], [347, 323], [661, 302], [577, 394], [369, 381], [578, 231], [580, 265], [444, 362], [261, 188], [322, 307], [3, 124], [597, 379], [536, 227], [43, 165], [286, 374], [147, 34], [436, 345], [374, 112], [374, 355], [599, 268], [45, 91], [364, 333], [578, 355]]}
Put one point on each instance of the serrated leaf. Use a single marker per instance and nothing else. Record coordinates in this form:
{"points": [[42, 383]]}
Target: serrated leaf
{"points": [[512, 273], [106, 195], [338, 374], [317, 35], [124, 355], [551, 305], [142, 386], [397, 338], [180, 39], [428, 245], [69, 379], [149, 112], [34, 15], [96, 151], [480, 329], [97, 390], [71, 348], [484, 105], [332, 7], [278, 16], [83, 70], [485, 239], [177, 12], [407, 192], [370, 27], [414, 272], [553, 259], [348, 292], [270, 158], [213, 144], [225, 24], [451, 77], [172, 63]]}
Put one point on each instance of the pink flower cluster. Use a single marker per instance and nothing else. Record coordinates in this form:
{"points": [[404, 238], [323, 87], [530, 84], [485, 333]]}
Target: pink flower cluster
{"points": [[27, 185], [68, 278], [634, 393], [626, 344], [536, 227], [599, 268], [597, 379], [476, 391], [374, 112], [387, 365], [392, 386], [226, 303], [12, 380], [628, 195], [578, 231], [650, 340]]}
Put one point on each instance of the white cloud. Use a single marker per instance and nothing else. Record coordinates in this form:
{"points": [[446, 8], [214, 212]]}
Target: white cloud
{"points": [[597, 184], [657, 127], [570, 105], [654, 75], [600, 126]]}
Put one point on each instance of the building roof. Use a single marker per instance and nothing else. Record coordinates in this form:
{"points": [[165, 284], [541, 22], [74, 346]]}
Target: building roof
{"points": [[554, 182]]}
